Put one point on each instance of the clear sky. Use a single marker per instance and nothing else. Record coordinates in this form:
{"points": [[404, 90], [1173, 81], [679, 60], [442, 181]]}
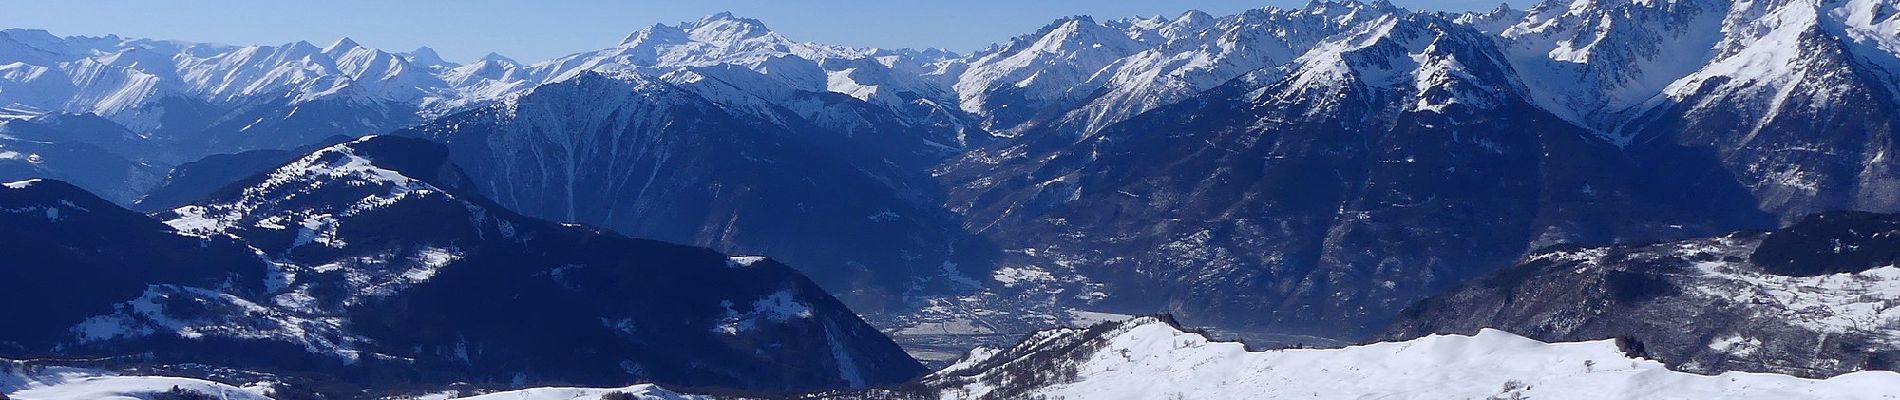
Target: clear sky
{"points": [[531, 31]]}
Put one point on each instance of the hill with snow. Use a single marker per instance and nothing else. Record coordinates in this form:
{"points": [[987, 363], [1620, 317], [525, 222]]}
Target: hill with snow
{"points": [[1150, 358]]}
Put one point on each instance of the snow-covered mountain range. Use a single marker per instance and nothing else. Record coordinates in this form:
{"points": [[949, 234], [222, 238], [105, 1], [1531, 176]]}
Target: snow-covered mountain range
{"points": [[1406, 152], [1307, 171], [182, 101]]}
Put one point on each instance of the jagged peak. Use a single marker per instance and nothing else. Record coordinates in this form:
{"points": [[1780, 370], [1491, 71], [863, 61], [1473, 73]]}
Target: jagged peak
{"points": [[721, 29], [657, 33], [1494, 21], [1079, 18], [425, 56], [1193, 16], [726, 16], [1058, 24], [1438, 60], [298, 47], [497, 58], [1078, 29], [724, 26], [341, 45], [1348, 6]]}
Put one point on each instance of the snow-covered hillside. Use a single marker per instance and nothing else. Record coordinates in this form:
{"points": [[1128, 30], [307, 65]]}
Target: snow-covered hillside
{"points": [[62, 383], [1150, 358]]}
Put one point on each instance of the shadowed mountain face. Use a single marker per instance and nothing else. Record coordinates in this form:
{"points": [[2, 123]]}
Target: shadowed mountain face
{"points": [[1795, 108], [72, 255], [652, 159], [371, 263]]}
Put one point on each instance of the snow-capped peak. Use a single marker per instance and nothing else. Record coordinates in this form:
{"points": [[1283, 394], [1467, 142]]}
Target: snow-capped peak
{"points": [[341, 45], [1434, 61], [1494, 21], [1036, 70], [1348, 10], [716, 39], [498, 59], [1193, 17], [658, 33], [725, 28], [427, 57]]}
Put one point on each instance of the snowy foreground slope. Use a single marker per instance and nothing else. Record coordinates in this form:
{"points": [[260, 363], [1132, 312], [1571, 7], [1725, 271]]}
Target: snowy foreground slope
{"points": [[1151, 358], [60, 383], [87, 384]]}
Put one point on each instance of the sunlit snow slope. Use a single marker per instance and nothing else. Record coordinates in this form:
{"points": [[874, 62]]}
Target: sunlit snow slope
{"points": [[1150, 358]]}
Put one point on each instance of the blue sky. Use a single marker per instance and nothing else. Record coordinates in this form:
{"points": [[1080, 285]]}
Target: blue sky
{"points": [[536, 30]]}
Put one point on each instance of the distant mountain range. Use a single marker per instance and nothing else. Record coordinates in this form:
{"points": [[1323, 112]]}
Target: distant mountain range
{"points": [[1286, 175]]}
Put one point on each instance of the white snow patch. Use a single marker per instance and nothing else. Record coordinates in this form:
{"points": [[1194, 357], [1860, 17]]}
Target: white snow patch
{"points": [[60, 383], [1012, 276], [778, 307], [210, 314], [1148, 359], [744, 261]]}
